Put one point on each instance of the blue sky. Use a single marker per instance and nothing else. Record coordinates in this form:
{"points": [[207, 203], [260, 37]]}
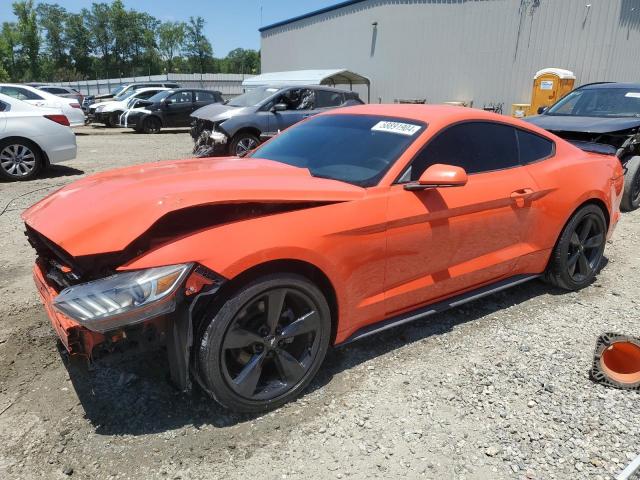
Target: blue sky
{"points": [[230, 23]]}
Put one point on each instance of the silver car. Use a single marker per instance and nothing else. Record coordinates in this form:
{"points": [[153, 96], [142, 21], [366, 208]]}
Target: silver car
{"points": [[241, 124]]}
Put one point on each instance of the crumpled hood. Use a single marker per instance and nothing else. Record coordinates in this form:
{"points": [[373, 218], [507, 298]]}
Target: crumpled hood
{"points": [[106, 212], [561, 123], [217, 112]]}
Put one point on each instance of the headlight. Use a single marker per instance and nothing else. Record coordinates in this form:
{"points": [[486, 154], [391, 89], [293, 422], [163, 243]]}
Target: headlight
{"points": [[124, 298], [100, 108]]}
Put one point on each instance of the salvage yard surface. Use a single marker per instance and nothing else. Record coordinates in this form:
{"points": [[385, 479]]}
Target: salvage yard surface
{"points": [[496, 389]]}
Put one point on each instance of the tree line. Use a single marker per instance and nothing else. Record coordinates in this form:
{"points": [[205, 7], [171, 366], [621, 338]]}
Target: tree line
{"points": [[48, 43]]}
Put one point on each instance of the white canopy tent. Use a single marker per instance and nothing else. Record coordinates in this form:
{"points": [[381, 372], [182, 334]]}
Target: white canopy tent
{"points": [[332, 77]]}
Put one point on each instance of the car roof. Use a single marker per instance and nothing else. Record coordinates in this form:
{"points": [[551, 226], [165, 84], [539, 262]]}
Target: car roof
{"points": [[609, 85], [183, 89], [437, 116], [315, 87]]}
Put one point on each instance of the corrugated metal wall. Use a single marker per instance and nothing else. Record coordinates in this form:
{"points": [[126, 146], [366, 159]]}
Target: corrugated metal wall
{"points": [[229, 84], [486, 51]]}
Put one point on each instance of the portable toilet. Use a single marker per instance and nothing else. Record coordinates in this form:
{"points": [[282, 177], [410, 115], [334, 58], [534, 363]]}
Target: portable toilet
{"points": [[549, 86]]}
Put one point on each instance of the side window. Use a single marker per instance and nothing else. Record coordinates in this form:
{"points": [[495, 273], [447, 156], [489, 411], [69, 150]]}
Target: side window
{"points": [[475, 146], [533, 147], [205, 96], [3, 107], [298, 99], [328, 99], [20, 93], [180, 97]]}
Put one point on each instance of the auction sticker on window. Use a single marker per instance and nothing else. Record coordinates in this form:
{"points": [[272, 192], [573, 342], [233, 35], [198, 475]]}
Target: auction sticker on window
{"points": [[401, 128]]}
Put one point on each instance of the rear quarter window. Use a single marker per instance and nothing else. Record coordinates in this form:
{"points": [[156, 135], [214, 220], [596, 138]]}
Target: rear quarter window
{"points": [[533, 148]]}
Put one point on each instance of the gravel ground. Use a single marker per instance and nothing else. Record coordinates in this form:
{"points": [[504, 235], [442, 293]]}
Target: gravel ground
{"points": [[496, 389]]}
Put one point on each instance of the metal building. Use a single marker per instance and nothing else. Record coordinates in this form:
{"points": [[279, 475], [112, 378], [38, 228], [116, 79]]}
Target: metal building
{"points": [[485, 51]]}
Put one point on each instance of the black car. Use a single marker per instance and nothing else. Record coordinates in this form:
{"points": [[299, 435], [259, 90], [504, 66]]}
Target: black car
{"points": [[120, 90], [602, 117], [171, 108]]}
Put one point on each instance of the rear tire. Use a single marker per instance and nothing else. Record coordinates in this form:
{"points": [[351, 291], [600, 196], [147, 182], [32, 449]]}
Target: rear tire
{"points": [[151, 125], [576, 258], [631, 194], [265, 344], [20, 160]]}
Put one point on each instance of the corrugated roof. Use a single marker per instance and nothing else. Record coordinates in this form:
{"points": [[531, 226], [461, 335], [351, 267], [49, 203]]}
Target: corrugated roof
{"points": [[311, 14], [337, 76]]}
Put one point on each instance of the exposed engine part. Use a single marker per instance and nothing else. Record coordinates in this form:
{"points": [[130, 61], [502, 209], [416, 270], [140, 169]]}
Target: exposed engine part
{"points": [[616, 361], [209, 143]]}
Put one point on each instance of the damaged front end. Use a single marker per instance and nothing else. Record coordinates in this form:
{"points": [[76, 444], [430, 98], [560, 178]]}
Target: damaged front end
{"points": [[624, 144], [209, 140], [97, 310]]}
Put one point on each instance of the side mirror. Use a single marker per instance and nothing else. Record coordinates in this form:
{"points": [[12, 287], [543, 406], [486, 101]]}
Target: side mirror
{"points": [[279, 107], [541, 110], [438, 176]]}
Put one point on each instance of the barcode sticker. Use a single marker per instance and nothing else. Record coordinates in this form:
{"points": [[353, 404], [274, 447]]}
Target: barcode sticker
{"points": [[407, 129]]}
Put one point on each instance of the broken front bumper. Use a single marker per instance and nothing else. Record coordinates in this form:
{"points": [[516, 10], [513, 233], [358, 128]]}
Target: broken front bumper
{"points": [[75, 338]]}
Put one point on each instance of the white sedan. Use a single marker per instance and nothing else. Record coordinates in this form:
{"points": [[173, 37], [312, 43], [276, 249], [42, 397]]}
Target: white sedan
{"points": [[109, 112], [69, 106], [31, 138]]}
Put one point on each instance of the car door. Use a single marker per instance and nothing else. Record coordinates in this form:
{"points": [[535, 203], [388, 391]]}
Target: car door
{"points": [[178, 108], [300, 104], [443, 241]]}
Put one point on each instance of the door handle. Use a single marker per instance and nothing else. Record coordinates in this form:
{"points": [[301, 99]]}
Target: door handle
{"points": [[520, 196], [522, 193]]}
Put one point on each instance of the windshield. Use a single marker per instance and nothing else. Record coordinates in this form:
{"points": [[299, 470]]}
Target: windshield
{"points": [[159, 96], [124, 95], [253, 97], [117, 90], [599, 102], [356, 149]]}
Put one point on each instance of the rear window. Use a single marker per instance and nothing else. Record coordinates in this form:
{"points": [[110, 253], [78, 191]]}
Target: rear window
{"points": [[20, 93], [54, 90], [205, 96], [356, 149], [533, 147], [328, 99]]}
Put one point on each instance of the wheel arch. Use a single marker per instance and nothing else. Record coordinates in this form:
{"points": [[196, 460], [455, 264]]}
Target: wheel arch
{"points": [[153, 115], [252, 130], [41, 151], [590, 201], [286, 265]]}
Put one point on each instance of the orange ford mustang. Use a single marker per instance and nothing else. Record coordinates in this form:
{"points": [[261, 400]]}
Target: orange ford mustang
{"points": [[248, 269]]}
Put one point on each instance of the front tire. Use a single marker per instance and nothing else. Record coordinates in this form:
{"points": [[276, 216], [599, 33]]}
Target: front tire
{"points": [[265, 343], [20, 160], [151, 125], [242, 144], [631, 195], [576, 258]]}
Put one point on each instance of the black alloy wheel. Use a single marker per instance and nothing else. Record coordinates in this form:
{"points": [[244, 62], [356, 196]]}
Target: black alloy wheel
{"points": [[584, 248], [578, 253], [265, 344]]}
